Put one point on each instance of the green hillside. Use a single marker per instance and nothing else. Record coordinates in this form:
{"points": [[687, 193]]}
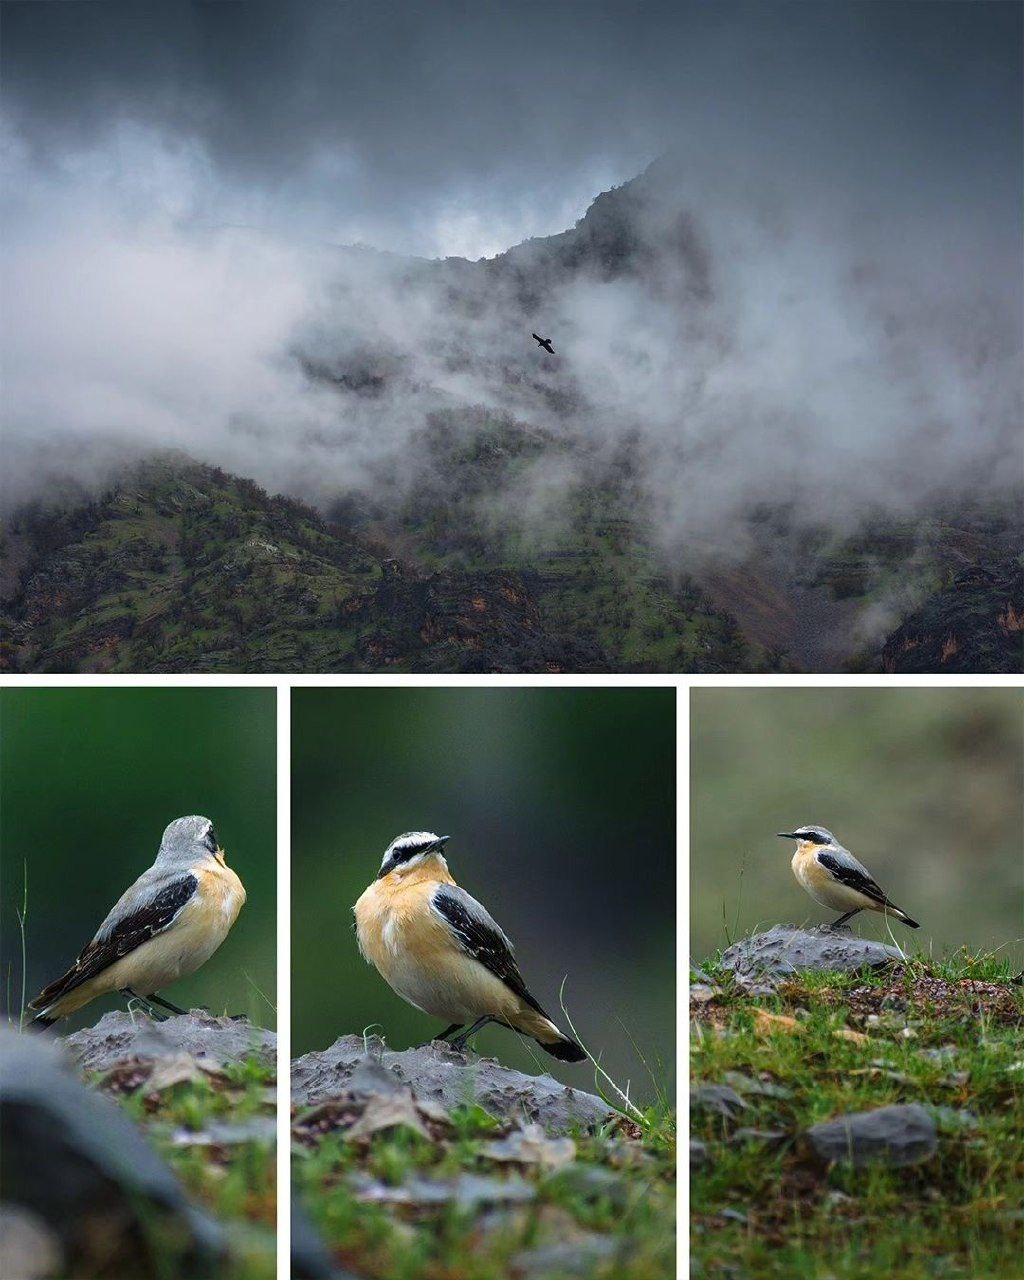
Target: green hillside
{"points": [[182, 567]]}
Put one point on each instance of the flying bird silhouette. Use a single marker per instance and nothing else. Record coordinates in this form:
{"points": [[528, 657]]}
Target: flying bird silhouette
{"points": [[545, 343]]}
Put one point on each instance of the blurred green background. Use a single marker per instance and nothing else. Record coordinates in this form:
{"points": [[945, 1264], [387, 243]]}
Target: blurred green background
{"points": [[925, 786], [561, 808], [89, 778]]}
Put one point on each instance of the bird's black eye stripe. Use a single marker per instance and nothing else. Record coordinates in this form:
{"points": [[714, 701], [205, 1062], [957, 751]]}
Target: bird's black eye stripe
{"points": [[210, 840], [405, 853]]}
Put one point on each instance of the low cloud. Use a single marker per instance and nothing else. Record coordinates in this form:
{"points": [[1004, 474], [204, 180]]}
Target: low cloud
{"points": [[845, 354]]}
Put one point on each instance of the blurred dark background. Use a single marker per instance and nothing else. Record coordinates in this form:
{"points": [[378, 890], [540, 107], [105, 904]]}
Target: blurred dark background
{"points": [[89, 778], [925, 786], [560, 804]]}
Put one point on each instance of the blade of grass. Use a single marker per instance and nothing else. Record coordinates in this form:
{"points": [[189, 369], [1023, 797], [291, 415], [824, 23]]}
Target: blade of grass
{"points": [[22, 917]]}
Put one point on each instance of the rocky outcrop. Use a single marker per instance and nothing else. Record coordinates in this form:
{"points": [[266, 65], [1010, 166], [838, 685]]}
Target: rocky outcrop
{"points": [[439, 1074], [119, 1035], [786, 949]]}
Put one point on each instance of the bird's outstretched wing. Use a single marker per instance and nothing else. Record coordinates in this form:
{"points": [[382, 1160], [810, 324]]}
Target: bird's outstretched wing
{"points": [[845, 868], [481, 937], [150, 917]]}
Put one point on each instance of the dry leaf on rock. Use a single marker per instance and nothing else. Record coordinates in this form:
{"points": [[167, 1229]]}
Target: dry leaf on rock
{"points": [[768, 1024], [180, 1068], [854, 1037], [531, 1145], [396, 1111]]}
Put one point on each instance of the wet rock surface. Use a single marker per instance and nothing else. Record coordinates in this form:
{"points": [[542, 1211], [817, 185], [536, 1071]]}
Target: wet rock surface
{"points": [[719, 1098], [29, 1249], [900, 1135], [119, 1035], [437, 1073], [78, 1166], [786, 949]]}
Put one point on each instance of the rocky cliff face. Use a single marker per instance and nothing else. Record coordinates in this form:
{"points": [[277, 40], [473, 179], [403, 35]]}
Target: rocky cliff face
{"points": [[974, 624]]}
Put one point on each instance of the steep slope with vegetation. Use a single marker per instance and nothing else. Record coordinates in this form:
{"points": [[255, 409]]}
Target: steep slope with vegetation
{"points": [[182, 567]]}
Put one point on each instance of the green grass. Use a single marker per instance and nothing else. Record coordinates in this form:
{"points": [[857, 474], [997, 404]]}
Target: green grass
{"points": [[235, 1184], [919, 1033], [635, 1207]]}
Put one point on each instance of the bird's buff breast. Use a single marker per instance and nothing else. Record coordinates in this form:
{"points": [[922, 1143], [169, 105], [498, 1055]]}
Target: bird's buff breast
{"points": [[196, 934], [826, 891], [415, 955]]}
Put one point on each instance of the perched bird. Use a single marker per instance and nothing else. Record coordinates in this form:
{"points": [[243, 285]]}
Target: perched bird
{"points": [[440, 950], [545, 343], [834, 877], [168, 924]]}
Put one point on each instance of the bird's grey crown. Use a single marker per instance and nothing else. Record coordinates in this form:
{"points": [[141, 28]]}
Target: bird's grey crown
{"points": [[186, 839], [820, 835]]}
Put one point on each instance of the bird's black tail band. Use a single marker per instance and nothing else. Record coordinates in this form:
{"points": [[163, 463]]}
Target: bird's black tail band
{"points": [[566, 1050]]}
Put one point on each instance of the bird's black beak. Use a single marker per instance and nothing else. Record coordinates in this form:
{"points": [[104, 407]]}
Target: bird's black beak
{"points": [[787, 835], [441, 842]]}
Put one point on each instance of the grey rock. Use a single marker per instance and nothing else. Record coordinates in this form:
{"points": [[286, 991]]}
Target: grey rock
{"points": [[698, 1154], [118, 1035], [74, 1160], [220, 1133], [441, 1074], [581, 1257], [29, 1250], [701, 994], [784, 950], [899, 1135], [750, 1085], [467, 1190], [717, 1097]]}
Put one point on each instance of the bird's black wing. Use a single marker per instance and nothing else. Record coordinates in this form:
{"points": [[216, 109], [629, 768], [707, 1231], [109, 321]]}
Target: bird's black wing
{"points": [[850, 872], [481, 937], [150, 918]]}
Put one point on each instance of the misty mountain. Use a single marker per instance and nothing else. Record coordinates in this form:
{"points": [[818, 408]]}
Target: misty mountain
{"points": [[767, 440]]}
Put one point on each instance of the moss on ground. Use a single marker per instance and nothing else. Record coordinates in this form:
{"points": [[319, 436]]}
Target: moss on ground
{"points": [[944, 1034]]}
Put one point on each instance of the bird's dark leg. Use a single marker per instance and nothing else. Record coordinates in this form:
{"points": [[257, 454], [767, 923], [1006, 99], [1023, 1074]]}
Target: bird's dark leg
{"points": [[134, 997], [838, 924], [460, 1041], [166, 1004], [443, 1036]]}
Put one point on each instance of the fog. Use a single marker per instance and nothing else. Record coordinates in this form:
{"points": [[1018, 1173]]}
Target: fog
{"points": [[838, 331]]}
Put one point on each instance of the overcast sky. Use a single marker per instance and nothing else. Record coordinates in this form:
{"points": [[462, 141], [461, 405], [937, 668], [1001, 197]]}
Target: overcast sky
{"points": [[461, 128], [177, 176]]}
